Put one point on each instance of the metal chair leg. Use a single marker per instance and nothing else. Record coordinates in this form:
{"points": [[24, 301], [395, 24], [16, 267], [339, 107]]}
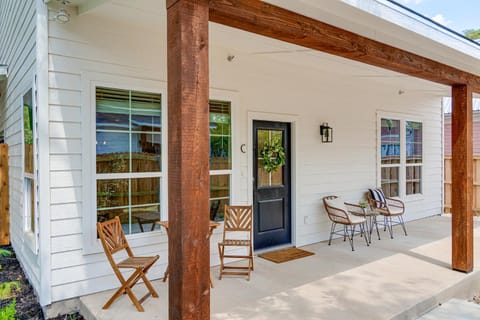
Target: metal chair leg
{"points": [[373, 222], [362, 227], [374, 218], [403, 224], [367, 230], [350, 237], [390, 227], [332, 229]]}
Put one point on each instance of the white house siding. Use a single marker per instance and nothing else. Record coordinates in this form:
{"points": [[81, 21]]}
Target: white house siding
{"points": [[89, 46], [18, 51]]}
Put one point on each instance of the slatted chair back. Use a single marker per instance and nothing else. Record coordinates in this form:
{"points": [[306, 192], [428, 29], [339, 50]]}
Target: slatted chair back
{"points": [[112, 237], [237, 232], [336, 214], [238, 218]]}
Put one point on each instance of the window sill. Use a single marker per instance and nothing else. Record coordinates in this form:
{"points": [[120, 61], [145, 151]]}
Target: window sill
{"points": [[135, 240]]}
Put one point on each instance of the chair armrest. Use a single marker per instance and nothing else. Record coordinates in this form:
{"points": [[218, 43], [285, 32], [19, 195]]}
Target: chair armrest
{"points": [[377, 204], [395, 203], [352, 204], [358, 211]]}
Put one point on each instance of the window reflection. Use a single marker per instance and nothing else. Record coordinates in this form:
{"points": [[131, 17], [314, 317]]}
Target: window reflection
{"points": [[390, 141], [219, 195], [128, 142], [220, 135], [413, 136]]}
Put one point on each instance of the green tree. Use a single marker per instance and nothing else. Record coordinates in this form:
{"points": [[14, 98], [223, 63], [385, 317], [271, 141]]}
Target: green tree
{"points": [[473, 34]]}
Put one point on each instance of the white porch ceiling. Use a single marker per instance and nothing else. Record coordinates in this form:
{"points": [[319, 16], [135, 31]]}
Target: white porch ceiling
{"points": [[150, 15]]}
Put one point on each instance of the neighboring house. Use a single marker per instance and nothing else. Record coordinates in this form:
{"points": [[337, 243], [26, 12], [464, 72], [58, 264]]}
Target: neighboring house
{"points": [[448, 127], [84, 112]]}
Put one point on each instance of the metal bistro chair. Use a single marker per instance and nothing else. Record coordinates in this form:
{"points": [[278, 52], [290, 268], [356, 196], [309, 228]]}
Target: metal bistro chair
{"points": [[339, 215], [113, 240], [237, 232], [387, 207]]}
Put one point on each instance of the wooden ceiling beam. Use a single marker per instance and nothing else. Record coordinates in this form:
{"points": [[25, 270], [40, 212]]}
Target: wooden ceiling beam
{"points": [[274, 22]]}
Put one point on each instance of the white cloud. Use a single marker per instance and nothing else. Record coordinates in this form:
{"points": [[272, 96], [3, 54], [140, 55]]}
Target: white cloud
{"points": [[441, 19]]}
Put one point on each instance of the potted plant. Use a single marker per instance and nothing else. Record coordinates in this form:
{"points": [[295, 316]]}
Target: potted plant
{"points": [[363, 204]]}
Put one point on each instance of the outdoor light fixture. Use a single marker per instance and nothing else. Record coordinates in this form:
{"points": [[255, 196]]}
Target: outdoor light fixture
{"points": [[62, 15], [326, 133]]}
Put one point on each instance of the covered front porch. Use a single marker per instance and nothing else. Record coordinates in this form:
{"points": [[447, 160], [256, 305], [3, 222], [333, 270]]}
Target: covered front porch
{"points": [[400, 278], [281, 71]]}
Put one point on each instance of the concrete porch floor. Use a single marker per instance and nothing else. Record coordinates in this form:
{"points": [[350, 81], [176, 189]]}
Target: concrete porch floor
{"points": [[400, 278]]}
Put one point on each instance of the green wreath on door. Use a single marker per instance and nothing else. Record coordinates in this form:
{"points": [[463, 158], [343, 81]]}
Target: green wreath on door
{"points": [[273, 155]]}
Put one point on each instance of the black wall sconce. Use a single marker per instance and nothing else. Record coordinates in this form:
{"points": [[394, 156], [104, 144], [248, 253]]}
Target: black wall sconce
{"points": [[326, 132]]}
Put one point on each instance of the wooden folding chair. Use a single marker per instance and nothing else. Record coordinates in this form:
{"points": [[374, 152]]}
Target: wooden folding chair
{"points": [[113, 240], [237, 232]]}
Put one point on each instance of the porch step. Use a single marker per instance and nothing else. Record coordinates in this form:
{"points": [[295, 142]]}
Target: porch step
{"points": [[454, 309]]}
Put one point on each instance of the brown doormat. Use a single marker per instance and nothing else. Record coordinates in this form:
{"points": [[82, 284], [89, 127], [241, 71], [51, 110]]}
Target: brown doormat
{"points": [[285, 255]]}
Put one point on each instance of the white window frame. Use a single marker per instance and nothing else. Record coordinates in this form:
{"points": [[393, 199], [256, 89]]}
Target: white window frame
{"points": [[402, 188], [232, 98], [92, 80], [421, 164], [224, 172], [31, 236]]}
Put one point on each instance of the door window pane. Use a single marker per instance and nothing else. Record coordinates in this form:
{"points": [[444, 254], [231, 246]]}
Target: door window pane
{"points": [[219, 195], [264, 178], [390, 141]]}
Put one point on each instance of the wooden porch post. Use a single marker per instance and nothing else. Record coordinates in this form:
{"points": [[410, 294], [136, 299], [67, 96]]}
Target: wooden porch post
{"points": [[462, 178], [188, 159]]}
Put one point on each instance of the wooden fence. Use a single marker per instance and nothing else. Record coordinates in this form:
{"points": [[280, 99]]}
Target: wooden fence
{"points": [[4, 201], [476, 185]]}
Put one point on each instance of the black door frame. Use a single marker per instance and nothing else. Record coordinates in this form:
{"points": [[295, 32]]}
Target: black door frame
{"points": [[291, 173]]}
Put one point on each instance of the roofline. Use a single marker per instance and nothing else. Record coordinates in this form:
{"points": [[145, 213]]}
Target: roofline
{"points": [[458, 34], [255, 17]]}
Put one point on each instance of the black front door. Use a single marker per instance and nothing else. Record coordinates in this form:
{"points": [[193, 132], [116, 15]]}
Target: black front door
{"points": [[271, 188]]}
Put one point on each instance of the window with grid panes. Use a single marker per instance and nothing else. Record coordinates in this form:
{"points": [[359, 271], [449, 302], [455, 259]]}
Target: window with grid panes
{"points": [[401, 156], [220, 157], [128, 157]]}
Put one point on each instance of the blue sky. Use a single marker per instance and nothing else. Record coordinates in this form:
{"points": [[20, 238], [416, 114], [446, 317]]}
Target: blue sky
{"points": [[457, 15]]}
